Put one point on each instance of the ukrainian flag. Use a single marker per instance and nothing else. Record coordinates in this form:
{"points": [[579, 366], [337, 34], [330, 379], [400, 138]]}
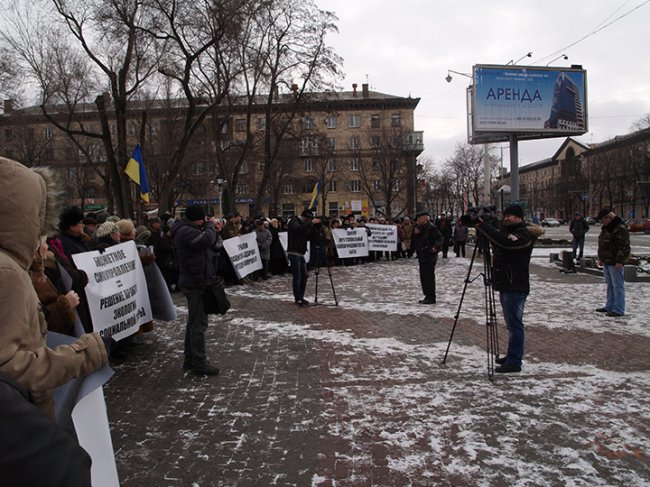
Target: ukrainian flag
{"points": [[136, 171], [313, 203]]}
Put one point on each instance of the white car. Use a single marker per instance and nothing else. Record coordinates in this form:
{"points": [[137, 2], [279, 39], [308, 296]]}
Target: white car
{"points": [[550, 222]]}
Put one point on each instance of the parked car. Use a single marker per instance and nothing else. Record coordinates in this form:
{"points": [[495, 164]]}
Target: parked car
{"points": [[639, 225], [590, 220], [550, 222]]}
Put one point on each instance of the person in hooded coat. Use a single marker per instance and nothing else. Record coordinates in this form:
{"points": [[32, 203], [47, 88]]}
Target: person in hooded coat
{"points": [[26, 214]]}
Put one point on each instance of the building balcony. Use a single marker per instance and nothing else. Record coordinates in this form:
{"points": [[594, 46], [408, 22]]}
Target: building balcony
{"points": [[413, 141]]}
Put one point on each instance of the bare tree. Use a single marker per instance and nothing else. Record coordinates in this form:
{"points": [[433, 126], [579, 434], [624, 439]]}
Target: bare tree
{"points": [[642, 123]]}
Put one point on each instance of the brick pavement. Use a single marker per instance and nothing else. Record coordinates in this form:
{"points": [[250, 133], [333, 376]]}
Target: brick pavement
{"points": [[348, 395]]}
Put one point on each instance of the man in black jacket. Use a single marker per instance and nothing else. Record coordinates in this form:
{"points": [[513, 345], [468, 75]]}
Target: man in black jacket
{"points": [[299, 233], [578, 228], [194, 238], [427, 242], [513, 245]]}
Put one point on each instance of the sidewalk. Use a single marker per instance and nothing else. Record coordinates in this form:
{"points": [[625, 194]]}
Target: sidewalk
{"points": [[356, 394]]}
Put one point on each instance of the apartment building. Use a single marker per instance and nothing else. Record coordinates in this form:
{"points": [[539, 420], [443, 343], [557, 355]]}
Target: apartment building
{"points": [[361, 145]]}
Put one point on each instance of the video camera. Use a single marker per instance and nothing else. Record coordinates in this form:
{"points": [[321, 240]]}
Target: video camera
{"points": [[471, 218]]}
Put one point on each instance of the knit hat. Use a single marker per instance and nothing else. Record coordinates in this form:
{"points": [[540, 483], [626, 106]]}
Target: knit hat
{"points": [[514, 210], [69, 217], [422, 213], [142, 234], [127, 229], [603, 213], [194, 213], [105, 229]]}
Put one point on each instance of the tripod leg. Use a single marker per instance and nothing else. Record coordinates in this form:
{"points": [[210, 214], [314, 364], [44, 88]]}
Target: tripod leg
{"points": [[316, 273], [460, 305], [329, 272]]}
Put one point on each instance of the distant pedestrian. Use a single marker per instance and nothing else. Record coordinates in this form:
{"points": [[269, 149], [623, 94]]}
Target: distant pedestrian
{"points": [[428, 242], [613, 252], [460, 238], [578, 228]]}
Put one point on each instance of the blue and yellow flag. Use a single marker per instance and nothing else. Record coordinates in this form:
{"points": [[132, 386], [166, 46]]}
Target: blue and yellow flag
{"points": [[136, 171], [313, 203]]}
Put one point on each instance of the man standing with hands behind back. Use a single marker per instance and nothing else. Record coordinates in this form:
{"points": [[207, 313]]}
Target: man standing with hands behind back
{"points": [[613, 252], [428, 242]]}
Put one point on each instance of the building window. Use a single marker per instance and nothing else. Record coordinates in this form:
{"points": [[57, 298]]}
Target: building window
{"points": [[331, 165], [242, 188], [130, 129], [287, 188], [308, 145], [333, 208], [375, 121], [395, 120], [376, 164], [196, 169], [9, 135], [355, 164], [260, 167], [308, 186], [309, 165], [331, 186], [331, 122], [48, 133], [331, 142], [308, 123], [151, 129], [288, 209], [243, 169], [355, 142], [354, 121], [397, 185], [375, 140], [355, 185], [240, 125]]}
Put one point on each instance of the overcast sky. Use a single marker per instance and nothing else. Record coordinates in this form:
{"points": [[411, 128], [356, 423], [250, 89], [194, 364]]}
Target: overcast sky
{"points": [[406, 47]]}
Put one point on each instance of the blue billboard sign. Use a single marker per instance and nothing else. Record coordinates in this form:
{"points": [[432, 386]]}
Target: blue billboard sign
{"points": [[547, 102]]}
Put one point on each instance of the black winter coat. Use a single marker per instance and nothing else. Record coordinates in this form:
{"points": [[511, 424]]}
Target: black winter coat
{"points": [[298, 236], [512, 249], [424, 241], [195, 250], [578, 228]]}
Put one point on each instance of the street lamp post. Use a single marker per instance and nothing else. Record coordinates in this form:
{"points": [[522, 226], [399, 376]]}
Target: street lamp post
{"points": [[219, 182]]}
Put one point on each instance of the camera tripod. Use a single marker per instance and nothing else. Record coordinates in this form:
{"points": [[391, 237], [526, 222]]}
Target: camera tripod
{"points": [[317, 267], [490, 306]]}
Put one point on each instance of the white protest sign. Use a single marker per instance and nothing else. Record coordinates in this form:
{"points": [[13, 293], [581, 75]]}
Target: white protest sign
{"points": [[243, 253], [351, 242], [284, 241], [117, 290], [383, 237]]}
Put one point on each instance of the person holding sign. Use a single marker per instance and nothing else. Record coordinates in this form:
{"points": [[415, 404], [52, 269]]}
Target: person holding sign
{"points": [[194, 237], [28, 212], [300, 232], [428, 242]]}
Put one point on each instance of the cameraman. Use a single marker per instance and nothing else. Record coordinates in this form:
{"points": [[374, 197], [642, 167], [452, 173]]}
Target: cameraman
{"points": [[513, 245], [427, 241], [299, 233]]}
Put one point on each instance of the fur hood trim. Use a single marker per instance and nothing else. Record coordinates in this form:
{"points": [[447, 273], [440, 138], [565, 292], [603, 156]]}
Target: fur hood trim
{"points": [[52, 201]]}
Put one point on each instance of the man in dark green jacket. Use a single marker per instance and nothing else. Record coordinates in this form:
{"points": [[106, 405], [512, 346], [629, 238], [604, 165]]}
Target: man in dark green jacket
{"points": [[613, 252]]}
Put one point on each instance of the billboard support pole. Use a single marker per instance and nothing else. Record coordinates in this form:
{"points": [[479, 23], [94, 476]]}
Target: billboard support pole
{"points": [[487, 176], [514, 167]]}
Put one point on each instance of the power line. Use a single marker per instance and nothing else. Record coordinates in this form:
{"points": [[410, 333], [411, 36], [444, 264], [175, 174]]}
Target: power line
{"points": [[597, 29]]}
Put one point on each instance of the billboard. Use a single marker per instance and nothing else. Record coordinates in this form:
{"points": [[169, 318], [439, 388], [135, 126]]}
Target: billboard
{"points": [[530, 102]]}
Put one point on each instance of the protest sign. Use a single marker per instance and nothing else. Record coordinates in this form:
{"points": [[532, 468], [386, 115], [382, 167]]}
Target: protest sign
{"points": [[243, 253], [117, 290], [351, 242], [383, 237]]}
